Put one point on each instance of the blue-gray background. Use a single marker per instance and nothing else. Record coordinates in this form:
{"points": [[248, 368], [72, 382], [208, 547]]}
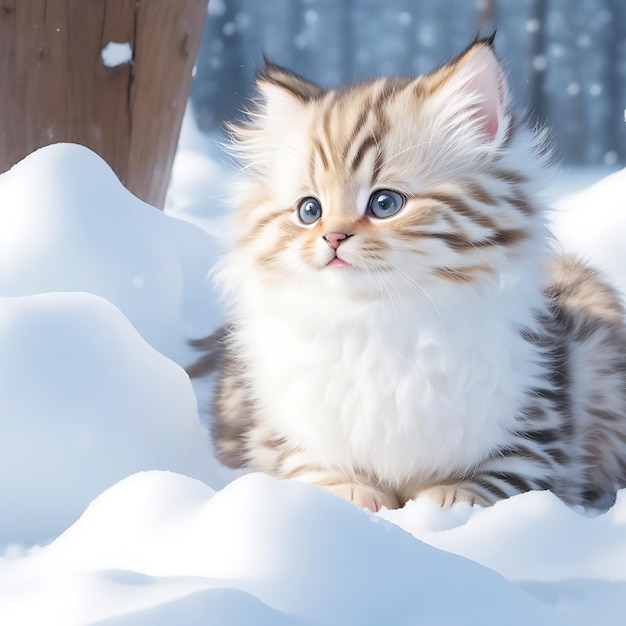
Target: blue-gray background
{"points": [[566, 58]]}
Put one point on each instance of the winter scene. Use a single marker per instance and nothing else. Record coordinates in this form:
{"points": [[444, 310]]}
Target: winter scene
{"points": [[117, 506]]}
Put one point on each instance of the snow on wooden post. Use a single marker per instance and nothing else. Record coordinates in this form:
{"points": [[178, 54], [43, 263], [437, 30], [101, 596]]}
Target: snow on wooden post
{"points": [[62, 78]]}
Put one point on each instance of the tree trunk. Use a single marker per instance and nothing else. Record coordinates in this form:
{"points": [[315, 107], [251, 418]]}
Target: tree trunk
{"points": [[56, 87]]}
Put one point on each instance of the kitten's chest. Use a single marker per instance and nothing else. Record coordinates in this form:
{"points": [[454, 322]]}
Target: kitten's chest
{"points": [[388, 393]]}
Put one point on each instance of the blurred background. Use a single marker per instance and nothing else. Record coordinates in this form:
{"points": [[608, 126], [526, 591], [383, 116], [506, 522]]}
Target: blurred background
{"points": [[566, 58]]}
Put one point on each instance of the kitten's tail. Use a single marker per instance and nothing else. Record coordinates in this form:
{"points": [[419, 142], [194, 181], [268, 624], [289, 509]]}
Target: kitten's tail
{"points": [[213, 348]]}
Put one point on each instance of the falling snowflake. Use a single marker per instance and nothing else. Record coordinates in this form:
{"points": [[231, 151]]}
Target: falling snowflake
{"points": [[533, 26], [540, 62], [595, 89], [404, 18], [573, 89]]}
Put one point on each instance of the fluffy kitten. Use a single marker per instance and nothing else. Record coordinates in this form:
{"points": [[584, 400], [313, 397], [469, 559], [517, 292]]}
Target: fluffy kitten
{"points": [[398, 325]]}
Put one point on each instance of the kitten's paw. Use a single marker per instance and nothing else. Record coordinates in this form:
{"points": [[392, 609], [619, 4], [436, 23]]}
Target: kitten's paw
{"points": [[447, 495], [364, 496]]}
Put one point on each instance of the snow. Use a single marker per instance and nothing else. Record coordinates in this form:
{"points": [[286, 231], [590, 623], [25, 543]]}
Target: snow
{"points": [[83, 396], [301, 561], [114, 54], [113, 510], [78, 229], [592, 223]]}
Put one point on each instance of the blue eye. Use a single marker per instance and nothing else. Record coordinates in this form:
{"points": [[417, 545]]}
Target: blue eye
{"points": [[385, 203], [309, 210]]}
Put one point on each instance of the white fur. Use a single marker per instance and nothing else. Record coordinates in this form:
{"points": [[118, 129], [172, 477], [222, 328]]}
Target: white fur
{"points": [[409, 391]]}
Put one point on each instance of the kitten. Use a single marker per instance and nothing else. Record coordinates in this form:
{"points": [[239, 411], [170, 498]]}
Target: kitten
{"points": [[398, 324]]}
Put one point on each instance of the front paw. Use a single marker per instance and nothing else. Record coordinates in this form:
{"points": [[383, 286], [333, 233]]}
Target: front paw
{"points": [[364, 496], [447, 495]]}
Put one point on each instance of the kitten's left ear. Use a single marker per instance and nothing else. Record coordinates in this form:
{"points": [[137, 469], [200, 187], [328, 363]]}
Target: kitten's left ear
{"points": [[476, 92]]}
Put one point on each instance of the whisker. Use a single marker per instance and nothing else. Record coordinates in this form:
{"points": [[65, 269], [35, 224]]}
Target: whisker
{"points": [[383, 284], [401, 152], [297, 281], [414, 282]]}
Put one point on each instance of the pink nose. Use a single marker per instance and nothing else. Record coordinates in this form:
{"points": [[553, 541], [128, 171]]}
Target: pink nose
{"points": [[334, 239]]}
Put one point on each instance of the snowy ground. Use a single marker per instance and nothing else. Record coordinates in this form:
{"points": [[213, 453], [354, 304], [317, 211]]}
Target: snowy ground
{"points": [[112, 509]]}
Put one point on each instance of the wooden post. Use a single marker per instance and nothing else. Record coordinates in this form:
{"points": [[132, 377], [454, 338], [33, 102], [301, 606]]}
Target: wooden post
{"points": [[55, 86]]}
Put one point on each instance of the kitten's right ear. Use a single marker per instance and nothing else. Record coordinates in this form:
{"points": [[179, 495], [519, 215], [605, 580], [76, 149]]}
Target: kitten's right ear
{"points": [[277, 82], [275, 113]]}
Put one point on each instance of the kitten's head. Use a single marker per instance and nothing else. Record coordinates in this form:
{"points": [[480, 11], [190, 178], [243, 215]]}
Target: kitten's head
{"points": [[385, 187]]}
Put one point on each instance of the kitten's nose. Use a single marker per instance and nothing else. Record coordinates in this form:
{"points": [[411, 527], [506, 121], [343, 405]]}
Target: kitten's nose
{"points": [[334, 239]]}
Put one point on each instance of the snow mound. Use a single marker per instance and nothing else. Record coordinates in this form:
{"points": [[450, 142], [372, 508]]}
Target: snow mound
{"points": [[88, 274], [593, 546], [85, 402], [68, 224], [282, 548], [592, 224]]}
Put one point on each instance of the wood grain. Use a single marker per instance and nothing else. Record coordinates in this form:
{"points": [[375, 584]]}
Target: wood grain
{"points": [[56, 88]]}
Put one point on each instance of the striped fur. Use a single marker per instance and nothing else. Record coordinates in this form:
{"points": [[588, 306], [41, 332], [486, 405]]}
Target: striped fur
{"points": [[441, 352]]}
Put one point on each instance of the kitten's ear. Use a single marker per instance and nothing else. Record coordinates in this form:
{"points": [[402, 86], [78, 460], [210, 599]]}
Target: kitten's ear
{"points": [[282, 98], [283, 92], [274, 118], [274, 79], [476, 92]]}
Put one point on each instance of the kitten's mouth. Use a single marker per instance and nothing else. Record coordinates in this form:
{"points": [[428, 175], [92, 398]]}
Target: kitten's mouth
{"points": [[337, 262]]}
